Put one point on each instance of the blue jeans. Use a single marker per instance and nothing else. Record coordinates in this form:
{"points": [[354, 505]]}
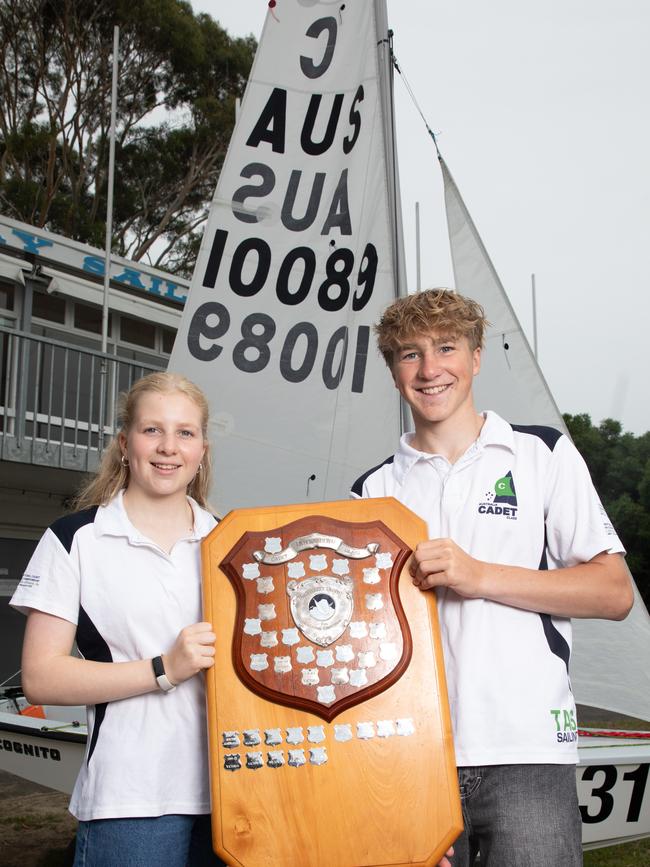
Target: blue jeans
{"points": [[519, 816], [161, 841]]}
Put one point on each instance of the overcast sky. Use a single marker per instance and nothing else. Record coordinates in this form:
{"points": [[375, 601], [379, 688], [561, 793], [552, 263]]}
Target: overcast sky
{"points": [[541, 113]]}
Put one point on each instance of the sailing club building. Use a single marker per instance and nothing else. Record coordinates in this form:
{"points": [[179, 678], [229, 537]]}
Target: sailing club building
{"points": [[58, 391]]}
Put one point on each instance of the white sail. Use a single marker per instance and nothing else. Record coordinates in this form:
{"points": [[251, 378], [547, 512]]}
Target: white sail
{"points": [[296, 263], [610, 662]]}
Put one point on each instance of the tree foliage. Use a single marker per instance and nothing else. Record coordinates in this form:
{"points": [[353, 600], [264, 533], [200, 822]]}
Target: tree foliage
{"points": [[179, 77], [620, 468]]}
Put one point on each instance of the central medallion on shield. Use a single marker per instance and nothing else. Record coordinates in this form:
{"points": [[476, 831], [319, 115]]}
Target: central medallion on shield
{"points": [[322, 607], [319, 622]]}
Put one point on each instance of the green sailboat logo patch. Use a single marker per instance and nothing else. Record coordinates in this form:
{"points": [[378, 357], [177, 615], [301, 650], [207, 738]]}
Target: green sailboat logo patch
{"points": [[503, 500]]}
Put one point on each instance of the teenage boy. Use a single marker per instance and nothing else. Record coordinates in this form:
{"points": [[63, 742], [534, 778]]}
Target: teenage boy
{"points": [[519, 543]]}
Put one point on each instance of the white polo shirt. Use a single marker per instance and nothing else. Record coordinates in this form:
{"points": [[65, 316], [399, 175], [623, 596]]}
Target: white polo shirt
{"points": [[521, 496], [147, 755]]}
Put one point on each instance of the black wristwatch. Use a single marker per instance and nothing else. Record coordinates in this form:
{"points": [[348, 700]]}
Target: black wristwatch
{"points": [[161, 678]]}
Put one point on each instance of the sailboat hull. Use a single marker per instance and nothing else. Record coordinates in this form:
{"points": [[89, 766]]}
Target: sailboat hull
{"points": [[613, 790], [43, 751]]}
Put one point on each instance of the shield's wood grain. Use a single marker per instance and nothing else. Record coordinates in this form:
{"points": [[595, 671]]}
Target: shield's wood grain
{"points": [[379, 801]]}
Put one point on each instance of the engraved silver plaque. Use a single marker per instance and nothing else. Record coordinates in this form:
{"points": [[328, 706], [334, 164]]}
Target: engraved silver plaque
{"points": [[321, 607], [315, 540], [254, 760], [315, 734], [340, 567], [250, 571], [318, 756], [378, 630], [269, 639], [297, 758], [343, 733], [324, 658], [272, 544], [265, 585], [367, 659], [371, 576], [266, 611], [310, 676], [405, 727], [374, 601], [344, 653], [365, 730], [383, 561], [290, 637], [295, 735], [305, 654], [232, 762], [275, 758], [358, 629], [317, 562], [272, 737], [385, 728], [358, 677], [230, 740], [340, 675], [252, 737], [296, 570], [326, 694], [282, 664], [259, 661], [252, 625]]}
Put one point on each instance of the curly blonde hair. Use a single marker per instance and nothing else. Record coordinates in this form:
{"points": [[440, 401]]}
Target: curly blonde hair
{"points": [[440, 310], [113, 474]]}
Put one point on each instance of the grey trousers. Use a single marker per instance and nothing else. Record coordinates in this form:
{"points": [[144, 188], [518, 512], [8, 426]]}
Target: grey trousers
{"points": [[519, 816]]}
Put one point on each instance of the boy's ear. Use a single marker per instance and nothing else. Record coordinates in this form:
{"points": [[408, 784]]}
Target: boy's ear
{"points": [[476, 365]]}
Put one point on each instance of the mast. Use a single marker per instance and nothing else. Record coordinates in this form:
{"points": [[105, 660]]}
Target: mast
{"points": [[386, 86]]}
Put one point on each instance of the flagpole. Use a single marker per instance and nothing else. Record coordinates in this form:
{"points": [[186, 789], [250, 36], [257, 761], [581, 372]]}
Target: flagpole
{"points": [[109, 198], [103, 397], [532, 280]]}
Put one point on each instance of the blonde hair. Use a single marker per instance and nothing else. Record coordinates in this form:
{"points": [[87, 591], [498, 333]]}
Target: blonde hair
{"points": [[113, 474], [439, 310]]}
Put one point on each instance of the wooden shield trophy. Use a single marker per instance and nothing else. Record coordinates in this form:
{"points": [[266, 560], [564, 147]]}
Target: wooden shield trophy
{"points": [[330, 736]]}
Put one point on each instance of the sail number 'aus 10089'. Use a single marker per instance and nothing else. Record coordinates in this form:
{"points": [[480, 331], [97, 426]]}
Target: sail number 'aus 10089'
{"points": [[297, 349]]}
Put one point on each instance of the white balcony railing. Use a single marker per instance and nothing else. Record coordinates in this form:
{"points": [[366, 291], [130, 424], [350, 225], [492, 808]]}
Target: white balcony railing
{"points": [[57, 400]]}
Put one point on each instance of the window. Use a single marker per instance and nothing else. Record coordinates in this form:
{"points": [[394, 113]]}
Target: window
{"points": [[48, 307], [168, 337], [6, 296], [138, 331], [89, 318]]}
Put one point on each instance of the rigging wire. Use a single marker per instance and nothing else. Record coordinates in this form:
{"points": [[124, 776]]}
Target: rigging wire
{"points": [[409, 90]]}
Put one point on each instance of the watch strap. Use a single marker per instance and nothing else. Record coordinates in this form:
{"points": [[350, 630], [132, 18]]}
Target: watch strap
{"points": [[161, 678]]}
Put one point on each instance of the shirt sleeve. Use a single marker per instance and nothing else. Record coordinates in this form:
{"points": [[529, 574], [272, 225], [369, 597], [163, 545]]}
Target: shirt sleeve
{"points": [[577, 525], [50, 582]]}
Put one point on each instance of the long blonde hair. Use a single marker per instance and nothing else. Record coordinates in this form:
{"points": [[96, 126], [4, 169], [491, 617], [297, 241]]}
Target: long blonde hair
{"points": [[113, 474]]}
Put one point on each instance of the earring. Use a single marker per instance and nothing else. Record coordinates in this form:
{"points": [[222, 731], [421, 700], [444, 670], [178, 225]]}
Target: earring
{"points": [[125, 461]]}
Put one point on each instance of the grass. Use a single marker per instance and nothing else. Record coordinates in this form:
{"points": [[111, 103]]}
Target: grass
{"points": [[29, 822], [628, 855]]}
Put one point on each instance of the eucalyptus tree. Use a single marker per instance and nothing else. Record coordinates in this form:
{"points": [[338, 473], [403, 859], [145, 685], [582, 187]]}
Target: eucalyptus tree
{"points": [[179, 77]]}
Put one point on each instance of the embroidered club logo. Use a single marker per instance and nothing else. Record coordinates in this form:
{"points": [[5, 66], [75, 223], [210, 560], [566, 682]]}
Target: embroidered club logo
{"points": [[319, 625], [502, 500]]}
